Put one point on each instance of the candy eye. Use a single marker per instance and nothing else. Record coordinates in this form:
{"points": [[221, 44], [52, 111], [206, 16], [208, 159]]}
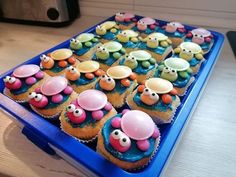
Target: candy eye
{"points": [[32, 95], [116, 134], [201, 36], [154, 96], [72, 40], [38, 97], [6, 79], [146, 91], [195, 35], [70, 108], [109, 80], [11, 80], [124, 141], [72, 69], [104, 77], [173, 71], [77, 112]]}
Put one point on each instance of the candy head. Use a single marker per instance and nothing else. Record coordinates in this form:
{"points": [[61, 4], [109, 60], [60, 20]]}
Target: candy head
{"points": [[169, 74], [119, 141], [131, 62], [152, 42], [102, 53], [123, 37], [119, 17], [46, 62], [107, 83], [75, 44], [12, 83], [72, 73], [141, 25], [171, 27], [101, 30], [75, 113], [186, 54], [148, 97], [198, 38], [37, 100]]}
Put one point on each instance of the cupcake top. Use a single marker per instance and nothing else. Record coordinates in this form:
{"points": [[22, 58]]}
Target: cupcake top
{"points": [[124, 17], [103, 28], [200, 36], [173, 27], [127, 35], [146, 24], [155, 40]]}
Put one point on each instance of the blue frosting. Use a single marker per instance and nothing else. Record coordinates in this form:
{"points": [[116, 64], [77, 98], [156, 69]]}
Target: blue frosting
{"points": [[82, 80], [133, 154], [108, 61], [205, 46], [128, 44], [88, 121], [147, 31], [175, 34], [139, 69], [125, 23], [109, 35], [84, 49], [159, 50]]}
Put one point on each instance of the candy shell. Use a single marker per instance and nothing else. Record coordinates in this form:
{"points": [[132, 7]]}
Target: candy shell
{"points": [[201, 31], [177, 24], [148, 20], [130, 33], [140, 55], [177, 64], [26, 71], [54, 85], [128, 15], [159, 36], [85, 37], [112, 46], [119, 72], [108, 24], [195, 48], [92, 100], [61, 54], [88, 66], [137, 125], [159, 85]]}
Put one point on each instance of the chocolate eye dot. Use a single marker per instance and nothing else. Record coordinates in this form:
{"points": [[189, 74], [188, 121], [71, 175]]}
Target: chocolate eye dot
{"points": [[103, 76], [76, 111], [124, 140], [116, 133], [146, 90], [36, 96], [109, 79], [69, 107], [195, 35], [173, 70]]}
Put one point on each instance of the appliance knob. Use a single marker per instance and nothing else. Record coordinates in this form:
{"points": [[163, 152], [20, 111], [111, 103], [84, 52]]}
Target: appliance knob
{"points": [[53, 13]]}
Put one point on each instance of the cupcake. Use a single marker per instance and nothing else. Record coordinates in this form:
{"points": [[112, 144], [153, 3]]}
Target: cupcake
{"points": [[129, 140], [84, 117], [157, 98], [128, 39], [175, 31], [56, 62], [108, 54], [178, 72], [125, 20], [51, 97], [202, 37], [107, 31], [141, 63], [84, 76], [117, 84], [158, 45], [84, 46], [192, 53], [146, 26], [23, 80]]}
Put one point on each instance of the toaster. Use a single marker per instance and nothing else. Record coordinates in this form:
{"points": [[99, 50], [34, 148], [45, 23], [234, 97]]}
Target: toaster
{"points": [[39, 12]]}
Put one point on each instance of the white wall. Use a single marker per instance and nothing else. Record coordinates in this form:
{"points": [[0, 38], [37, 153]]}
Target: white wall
{"points": [[216, 13]]}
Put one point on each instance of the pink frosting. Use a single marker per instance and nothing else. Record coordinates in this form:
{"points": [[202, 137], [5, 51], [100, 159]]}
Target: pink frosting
{"points": [[116, 122], [26, 71], [39, 104], [108, 106], [143, 145], [15, 85], [68, 90], [57, 98], [97, 115], [39, 75], [30, 80]]}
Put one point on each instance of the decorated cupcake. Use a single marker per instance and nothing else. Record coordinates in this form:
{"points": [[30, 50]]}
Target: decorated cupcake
{"points": [[157, 98], [117, 84], [56, 62], [158, 45], [84, 46], [178, 72], [125, 20], [128, 39], [141, 63], [107, 31], [84, 117], [84, 76], [51, 97], [23, 80], [129, 139], [146, 26], [202, 37], [175, 31], [108, 54], [191, 52]]}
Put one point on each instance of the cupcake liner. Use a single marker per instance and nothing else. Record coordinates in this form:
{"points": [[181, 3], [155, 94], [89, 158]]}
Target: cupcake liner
{"points": [[53, 117], [187, 86]]}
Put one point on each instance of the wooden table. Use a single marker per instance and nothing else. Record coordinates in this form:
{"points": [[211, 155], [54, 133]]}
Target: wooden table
{"points": [[208, 145]]}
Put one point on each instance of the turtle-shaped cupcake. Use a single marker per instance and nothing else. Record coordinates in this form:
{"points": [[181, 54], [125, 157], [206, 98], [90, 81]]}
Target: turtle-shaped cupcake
{"points": [[129, 39], [175, 31], [129, 139], [157, 98], [84, 76], [84, 46], [85, 116], [178, 72], [141, 63], [51, 97], [55, 63], [22, 81], [158, 45], [202, 37], [108, 54], [191, 52], [125, 20], [107, 31], [117, 84], [146, 26]]}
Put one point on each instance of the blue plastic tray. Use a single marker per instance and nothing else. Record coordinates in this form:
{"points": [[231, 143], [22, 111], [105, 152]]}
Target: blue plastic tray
{"points": [[48, 136]]}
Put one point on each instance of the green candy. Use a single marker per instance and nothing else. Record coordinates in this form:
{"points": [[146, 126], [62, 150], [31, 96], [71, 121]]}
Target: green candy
{"points": [[116, 55], [189, 70], [152, 61], [122, 50], [88, 44], [76, 46], [160, 67], [183, 74], [132, 64], [95, 40], [145, 64]]}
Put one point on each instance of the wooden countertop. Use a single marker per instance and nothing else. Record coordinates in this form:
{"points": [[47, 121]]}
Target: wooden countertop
{"points": [[207, 147]]}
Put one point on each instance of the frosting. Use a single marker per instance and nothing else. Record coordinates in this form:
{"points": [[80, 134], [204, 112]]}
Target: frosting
{"points": [[125, 18], [128, 38], [107, 30]]}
